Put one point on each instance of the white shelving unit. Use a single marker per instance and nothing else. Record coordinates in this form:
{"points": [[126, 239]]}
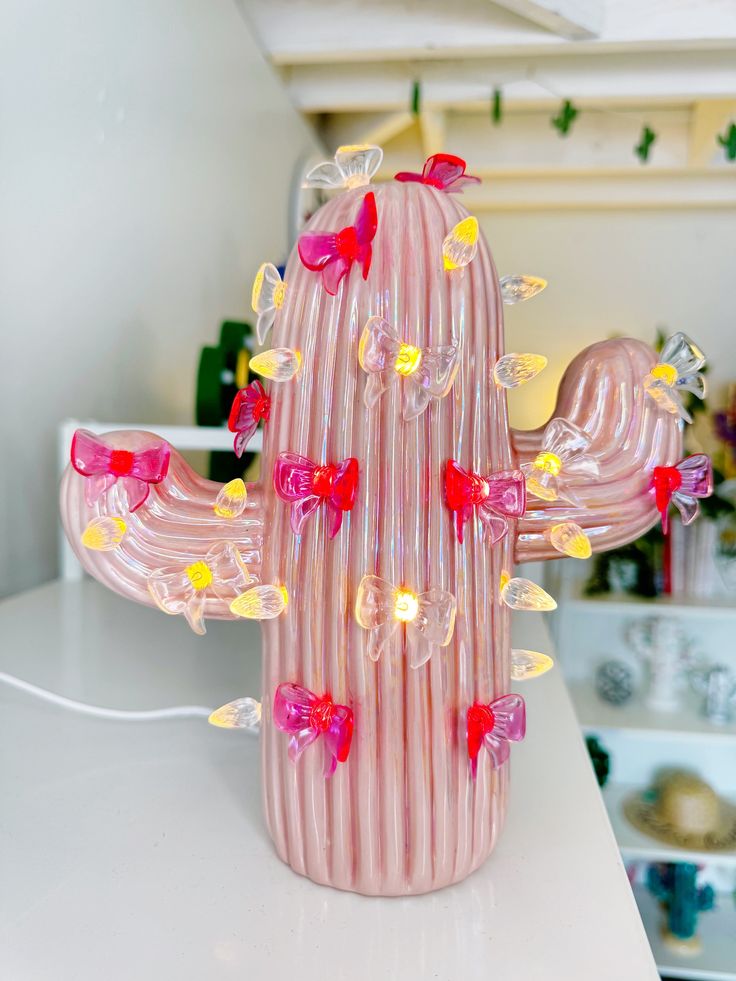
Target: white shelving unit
{"points": [[590, 630]]}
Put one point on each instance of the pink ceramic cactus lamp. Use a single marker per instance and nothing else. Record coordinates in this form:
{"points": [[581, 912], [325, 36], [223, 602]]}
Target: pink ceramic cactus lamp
{"points": [[378, 546]]}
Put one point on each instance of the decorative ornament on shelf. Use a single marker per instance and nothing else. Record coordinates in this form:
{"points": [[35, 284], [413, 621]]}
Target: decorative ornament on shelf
{"points": [[614, 682], [728, 141], [243, 713], [662, 643], [428, 372], [600, 758], [461, 244], [306, 485], [675, 886], [306, 717], [517, 289], [682, 485], [267, 298], [429, 617], [444, 338], [499, 497], [185, 590], [718, 684], [251, 405], [102, 465], [494, 726], [104, 534], [513, 370], [333, 253], [565, 452], [415, 97], [677, 371], [646, 142], [570, 539], [565, 118], [353, 166], [497, 106], [442, 171]]}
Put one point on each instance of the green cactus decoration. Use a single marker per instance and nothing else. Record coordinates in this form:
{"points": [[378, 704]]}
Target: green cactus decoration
{"points": [[644, 146], [496, 107], [600, 759], [728, 141], [675, 886], [565, 117]]}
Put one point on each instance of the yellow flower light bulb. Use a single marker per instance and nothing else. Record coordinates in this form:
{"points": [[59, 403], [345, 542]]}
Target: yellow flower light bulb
{"points": [[570, 539], [260, 603], [406, 605], [529, 664], [199, 575], [546, 463], [278, 364], [461, 244], [523, 594], [230, 502], [243, 713], [408, 359], [104, 534], [513, 370]]}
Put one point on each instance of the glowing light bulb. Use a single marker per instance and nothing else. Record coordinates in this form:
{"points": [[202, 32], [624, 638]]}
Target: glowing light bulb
{"points": [[544, 463], [104, 534], [523, 594], [279, 364], [243, 713], [408, 359], [677, 372], [406, 606], [570, 539], [230, 502], [199, 575], [513, 370], [529, 664], [260, 603], [461, 244], [516, 289]]}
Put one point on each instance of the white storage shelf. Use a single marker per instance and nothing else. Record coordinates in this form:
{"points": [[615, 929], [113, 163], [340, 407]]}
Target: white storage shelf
{"points": [[614, 603]]}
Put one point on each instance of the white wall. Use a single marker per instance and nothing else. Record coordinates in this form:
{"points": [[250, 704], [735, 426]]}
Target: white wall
{"points": [[147, 152], [616, 272]]}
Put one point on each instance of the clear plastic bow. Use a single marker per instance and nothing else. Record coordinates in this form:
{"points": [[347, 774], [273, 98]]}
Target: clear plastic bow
{"points": [[677, 371], [565, 453], [353, 166], [267, 298]]}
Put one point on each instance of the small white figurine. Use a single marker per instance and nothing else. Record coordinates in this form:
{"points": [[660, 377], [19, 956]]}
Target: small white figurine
{"points": [[718, 684], [662, 643]]}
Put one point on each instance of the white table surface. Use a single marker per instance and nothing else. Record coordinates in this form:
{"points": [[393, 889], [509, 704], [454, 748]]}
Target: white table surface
{"points": [[137, 851]]}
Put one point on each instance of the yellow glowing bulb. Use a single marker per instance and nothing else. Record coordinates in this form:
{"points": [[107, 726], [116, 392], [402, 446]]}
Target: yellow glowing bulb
{"points": [[516, 289], [199, 574], [260, 603], [104, 534], [461, 244], [570, 539], [408, 359], [279, 295], [513, 370], [243, 713], [278, 364], [549, 462], [523, 594], [529, 664], [665, 372], [406, 605], [255, 295], [230, 502]]}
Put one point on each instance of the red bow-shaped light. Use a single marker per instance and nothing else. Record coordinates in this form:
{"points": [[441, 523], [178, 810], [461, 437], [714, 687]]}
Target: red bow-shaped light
{"points": [[498, 497], [103, 465], [333, 253], [306, 717], [305, 485], [250, 405], [495, 726], [682, 485], [443, 171]]}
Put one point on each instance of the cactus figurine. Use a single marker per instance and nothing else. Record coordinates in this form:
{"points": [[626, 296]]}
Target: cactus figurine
{"points": [[662, 643], [675, 886], [718, 684], [385, 570]]}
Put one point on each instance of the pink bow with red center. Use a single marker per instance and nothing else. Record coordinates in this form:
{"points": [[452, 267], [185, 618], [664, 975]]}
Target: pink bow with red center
{"points": [[443, 171], [333, 253], [306, 717], [682, 485], [495, 726], [250, 405], [498, 497], [305, 485], [103, 465]]}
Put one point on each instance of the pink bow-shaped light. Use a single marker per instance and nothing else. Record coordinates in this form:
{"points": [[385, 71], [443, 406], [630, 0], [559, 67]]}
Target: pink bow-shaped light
{"points": [[250, 405], [498, 497], [103, 465], [495, 726], [443, 171], [306, 717], [428, 372], [305, 485], [333, 253], [429, 617], [682, 485]]}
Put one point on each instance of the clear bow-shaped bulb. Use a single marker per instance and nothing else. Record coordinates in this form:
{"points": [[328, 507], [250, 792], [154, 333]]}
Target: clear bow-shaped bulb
{"points": [[353, 166], [429, 617], [104, 534], [677, 371], [243, 713], [461, 244], [513, 370], [267, 298], [565, 453], [523, 594], [428, 372], [516, 289], [184, 589], [278, 364]]}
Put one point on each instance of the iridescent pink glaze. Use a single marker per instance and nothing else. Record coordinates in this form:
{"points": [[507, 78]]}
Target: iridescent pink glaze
{"points": [[403, 814]]}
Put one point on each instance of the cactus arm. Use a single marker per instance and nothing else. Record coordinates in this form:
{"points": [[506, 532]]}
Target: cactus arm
{"points": [[175, 527], [602, 392]]}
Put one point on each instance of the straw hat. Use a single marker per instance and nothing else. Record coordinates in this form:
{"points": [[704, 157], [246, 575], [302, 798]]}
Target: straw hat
{"points": [[683, 810]]}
